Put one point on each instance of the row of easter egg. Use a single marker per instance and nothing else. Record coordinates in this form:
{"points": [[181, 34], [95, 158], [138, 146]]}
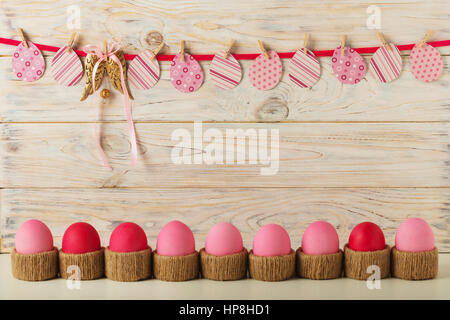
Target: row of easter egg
{"points": [[129, 257]]}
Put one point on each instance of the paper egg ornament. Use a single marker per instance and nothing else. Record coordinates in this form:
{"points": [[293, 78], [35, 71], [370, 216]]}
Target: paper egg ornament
{"points": [[81, 247], [272, 258], [28, 64], [320, 238], [426, 63], [66, 67], [33, 236], [175, 258], [304, 69], [128, 237], [128, 257], [386, 64], [186, 76], [319, 256], [414, 235], [225, 72], [366, 248], [223, 239], [143, 71], [265, 73], [34, 258], [349, 68], [224, 256], [414, 256]]}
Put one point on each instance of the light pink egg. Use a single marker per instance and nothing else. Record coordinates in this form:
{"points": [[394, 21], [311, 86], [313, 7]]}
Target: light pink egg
{"points": [[271, 240], [33, 236], [320, 238], [175, 239], [414, 235], [223, 239]]}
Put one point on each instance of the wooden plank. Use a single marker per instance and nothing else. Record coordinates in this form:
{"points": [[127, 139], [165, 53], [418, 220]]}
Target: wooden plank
{"points": [[248, 209], [311, 155], [208, 25], [403, 100]]}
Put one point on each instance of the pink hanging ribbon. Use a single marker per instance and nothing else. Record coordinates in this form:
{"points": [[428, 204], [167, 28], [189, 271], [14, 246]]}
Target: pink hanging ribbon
{"points": [[112, 49]]}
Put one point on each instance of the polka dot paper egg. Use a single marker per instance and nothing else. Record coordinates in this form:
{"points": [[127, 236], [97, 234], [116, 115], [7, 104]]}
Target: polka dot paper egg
{"points": [[28, 64], [426, 63], [349, 68], [186, 76], [265, 73], [32, 237]]}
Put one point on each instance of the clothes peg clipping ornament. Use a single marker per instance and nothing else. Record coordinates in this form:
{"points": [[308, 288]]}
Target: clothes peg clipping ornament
{"points": [[347, 64], [426, 62], [304, 67], [66, 66], [144, 72], [28, 63], [186, 74], [386, 63], [225, 70], [266, 70]]}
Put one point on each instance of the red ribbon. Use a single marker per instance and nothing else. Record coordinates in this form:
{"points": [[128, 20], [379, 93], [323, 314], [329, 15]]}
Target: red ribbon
{"points": [[239, 56]]}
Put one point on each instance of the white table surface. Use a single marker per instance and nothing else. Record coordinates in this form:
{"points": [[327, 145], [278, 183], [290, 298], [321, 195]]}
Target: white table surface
{"points": [[344, 288]]}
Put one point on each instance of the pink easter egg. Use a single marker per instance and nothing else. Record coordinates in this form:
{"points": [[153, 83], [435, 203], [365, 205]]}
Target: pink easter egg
{"points": [[304, 69], [320, 238], [175, 239], [426, 63], [271, 240], [414, 235], [265, 73], [223, 239], [33, 236], [349, 68], [186, 76], [386, 64], [128, 237], [143, 71], [225, 72], [66, 67], [28, 64]]}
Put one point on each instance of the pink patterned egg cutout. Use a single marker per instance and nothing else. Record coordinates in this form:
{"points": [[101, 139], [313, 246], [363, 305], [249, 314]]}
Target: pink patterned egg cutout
{"points": [[186, 76], [426, 63], [225, 72], [143, 71], [304, 69], [386, 64], [266, 73], [350, 68], [28, 64], [66, 67]]}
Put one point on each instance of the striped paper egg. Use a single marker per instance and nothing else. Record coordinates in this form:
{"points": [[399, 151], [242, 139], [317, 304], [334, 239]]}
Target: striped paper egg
{"points": [[66, 67], [349, 68], [386, 64], [266, 73], [304, 69], [143, 71], [426, 63], [186, 76], [225, 72], [28, 64]]}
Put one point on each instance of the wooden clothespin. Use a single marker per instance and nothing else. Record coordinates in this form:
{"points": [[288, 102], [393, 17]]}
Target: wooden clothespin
{"points": [[72, 39], [383, 41], [424, 40], [343, 45], [182, 50], [263, 50], [23, 37], [305, 43], [227, 52], [157, 50]]}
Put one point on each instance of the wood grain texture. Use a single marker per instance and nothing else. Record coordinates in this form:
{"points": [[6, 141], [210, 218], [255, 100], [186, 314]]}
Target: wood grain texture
{"points": [[249, 209], [311, 155], [329, 100]]}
